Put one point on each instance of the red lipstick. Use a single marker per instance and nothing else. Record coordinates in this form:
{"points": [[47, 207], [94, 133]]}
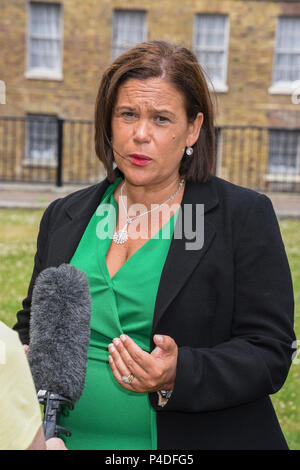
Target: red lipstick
{"points": [[139, 159]]}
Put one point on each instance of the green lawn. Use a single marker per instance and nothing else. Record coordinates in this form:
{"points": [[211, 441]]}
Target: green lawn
{"points": [[17, 247]]}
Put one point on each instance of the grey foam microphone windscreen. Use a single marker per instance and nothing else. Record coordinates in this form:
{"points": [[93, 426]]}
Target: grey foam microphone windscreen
{"points": [[60, 330]]}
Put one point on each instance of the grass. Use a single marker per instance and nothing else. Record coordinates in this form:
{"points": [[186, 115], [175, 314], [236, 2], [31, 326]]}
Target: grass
{"points": [[18, 234], [287, 401]]}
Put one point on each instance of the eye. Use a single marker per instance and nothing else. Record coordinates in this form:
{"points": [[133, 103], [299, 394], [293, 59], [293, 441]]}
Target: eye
{"points": [[162, 119], [128, 115]]}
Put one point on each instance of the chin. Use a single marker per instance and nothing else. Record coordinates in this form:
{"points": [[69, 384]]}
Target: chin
{"points": [[138, 179], [137, 175]]}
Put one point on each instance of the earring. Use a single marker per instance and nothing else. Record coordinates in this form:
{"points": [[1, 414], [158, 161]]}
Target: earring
{"points": [[189, 151]]}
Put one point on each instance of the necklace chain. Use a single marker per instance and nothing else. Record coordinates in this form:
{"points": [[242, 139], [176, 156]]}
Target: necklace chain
{"points": [[121, 236]]}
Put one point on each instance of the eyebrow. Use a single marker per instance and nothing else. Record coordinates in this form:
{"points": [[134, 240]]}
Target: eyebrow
{"points": [[154, 110]]}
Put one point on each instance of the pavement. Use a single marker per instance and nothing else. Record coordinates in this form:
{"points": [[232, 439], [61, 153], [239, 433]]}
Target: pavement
{"points": [[29, 196], [25, 196]]}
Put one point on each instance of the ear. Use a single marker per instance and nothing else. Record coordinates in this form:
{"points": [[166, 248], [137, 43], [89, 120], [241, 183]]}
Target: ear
{"points": [[194, 130]]}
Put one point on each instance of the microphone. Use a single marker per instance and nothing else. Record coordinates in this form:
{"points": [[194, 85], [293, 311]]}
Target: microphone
{"points": [[59, 340], [118, 153]]}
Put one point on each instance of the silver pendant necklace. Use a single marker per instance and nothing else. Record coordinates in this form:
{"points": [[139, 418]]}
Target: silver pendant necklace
{"points": [[121, 236]]}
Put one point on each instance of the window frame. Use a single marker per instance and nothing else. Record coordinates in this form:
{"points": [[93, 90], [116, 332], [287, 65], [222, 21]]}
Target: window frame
{"points": [[145, 29], [282, 87], [43, 73], [288, 172], [38, 161], [218, 86]]}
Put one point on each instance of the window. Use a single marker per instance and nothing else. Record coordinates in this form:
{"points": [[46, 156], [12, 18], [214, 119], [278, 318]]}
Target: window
{"points": [[284, 151], [129, 28], [286, 63], [41, 139], [44, 58], [210, 44]]}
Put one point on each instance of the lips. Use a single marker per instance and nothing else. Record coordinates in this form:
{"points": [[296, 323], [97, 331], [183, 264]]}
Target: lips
{"points": [[139, 159], [140, 156]]}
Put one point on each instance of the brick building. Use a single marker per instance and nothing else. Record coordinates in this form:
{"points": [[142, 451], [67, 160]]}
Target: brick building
{"points": [[54, 52]]}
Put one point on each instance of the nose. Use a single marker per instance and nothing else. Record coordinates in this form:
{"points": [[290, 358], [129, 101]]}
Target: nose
{"points": [[142, 131]]}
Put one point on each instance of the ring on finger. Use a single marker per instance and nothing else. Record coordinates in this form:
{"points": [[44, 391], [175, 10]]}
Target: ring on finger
{"points": [[128, 380]]}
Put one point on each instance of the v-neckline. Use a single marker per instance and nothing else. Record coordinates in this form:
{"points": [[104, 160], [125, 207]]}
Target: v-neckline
{"points": [[137, 251], [110, 197]]}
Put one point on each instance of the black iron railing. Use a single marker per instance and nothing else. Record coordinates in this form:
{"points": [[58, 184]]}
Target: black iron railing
{"points": [[61, 151], [48, 150], [261, 158]]}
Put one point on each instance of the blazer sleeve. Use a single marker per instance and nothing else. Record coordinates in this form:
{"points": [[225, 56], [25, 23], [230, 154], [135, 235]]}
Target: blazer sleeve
{"points": [[23, 315], [256, 360]]}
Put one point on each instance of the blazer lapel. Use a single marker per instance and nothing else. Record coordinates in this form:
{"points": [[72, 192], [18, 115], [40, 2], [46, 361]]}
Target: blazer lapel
{"points": [[77, 214], [181, 262], [65, 240]]}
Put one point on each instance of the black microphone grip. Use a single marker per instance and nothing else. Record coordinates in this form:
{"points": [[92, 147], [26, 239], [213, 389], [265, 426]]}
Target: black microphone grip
{"points": [[54, 406]]}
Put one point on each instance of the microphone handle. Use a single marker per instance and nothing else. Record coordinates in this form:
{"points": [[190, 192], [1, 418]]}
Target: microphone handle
{"points": [[53, 407]]}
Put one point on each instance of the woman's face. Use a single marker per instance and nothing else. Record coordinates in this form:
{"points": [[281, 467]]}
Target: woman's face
{"points": [[149, 120]]}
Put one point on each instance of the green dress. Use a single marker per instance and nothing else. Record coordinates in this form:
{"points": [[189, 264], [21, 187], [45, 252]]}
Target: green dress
{"points": [[107, 416]]}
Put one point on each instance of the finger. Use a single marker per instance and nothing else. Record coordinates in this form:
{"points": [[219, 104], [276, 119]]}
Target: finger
{"points": [[166, 343], [142, 358], [116, 373], [133, 366], [118, 361], [118, 376]]}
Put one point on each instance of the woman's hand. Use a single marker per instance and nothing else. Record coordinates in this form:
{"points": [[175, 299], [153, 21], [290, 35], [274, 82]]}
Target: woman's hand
{"points": [[152, 372], [26, 348]]}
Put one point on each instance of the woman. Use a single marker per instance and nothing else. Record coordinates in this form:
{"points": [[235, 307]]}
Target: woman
{"points": [[188, 338]]}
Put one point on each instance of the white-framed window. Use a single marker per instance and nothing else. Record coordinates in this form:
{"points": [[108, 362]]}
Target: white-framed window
{"points": [[44, 41], [41, 139], [210, 44], [284, 152], [129, 28], [286, 61]]}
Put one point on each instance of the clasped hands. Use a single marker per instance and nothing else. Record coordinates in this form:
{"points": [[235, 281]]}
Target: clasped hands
{"points": [[151, 371]]}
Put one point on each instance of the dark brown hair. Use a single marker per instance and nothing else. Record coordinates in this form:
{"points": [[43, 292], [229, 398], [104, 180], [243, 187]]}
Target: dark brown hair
{"points": [[179, 66]]}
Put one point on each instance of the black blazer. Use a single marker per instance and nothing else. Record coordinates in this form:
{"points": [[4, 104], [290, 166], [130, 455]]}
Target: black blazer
{"points": [[229, 307]]}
